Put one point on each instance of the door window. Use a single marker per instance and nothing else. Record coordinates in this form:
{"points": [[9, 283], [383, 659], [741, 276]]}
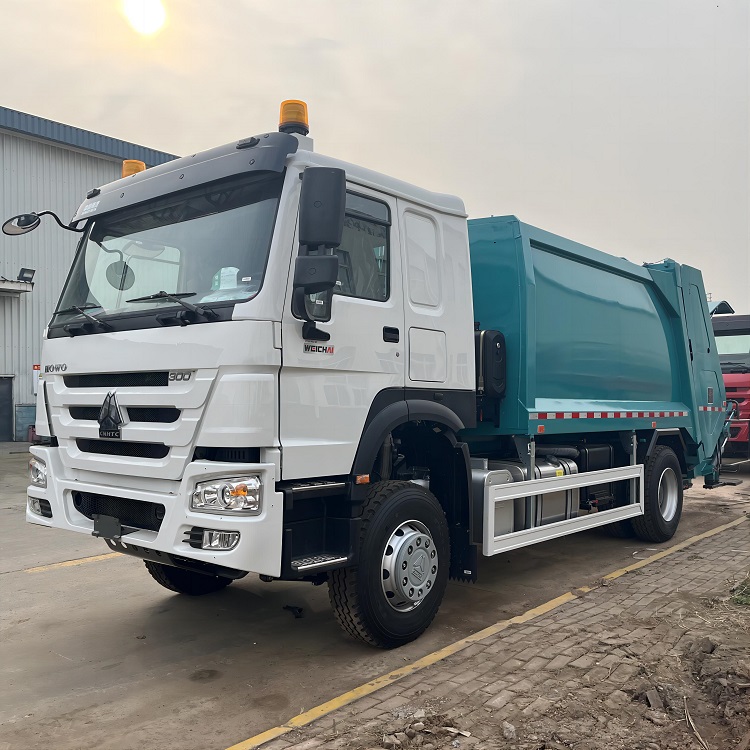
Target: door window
{"points": [[363, 253]]}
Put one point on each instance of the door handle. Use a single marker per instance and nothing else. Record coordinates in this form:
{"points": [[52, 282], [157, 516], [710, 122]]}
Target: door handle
{"points": [[390, 334]]}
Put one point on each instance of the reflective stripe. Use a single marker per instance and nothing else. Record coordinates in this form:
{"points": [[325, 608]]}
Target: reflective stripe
{"points": [[616, 414]]}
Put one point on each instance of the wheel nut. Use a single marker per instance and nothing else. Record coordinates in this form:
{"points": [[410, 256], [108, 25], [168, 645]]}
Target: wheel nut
{"points": [[432, 554], [419, 593], [411, 592], [403, 565], [434, 569], [426, 543], [419, 541], [405, 581], [410, 549], [428, 584]]}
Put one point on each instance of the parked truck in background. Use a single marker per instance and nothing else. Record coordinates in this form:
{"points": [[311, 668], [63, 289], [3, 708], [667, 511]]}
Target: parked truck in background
{"points": [[732, 334], [267, 360]]}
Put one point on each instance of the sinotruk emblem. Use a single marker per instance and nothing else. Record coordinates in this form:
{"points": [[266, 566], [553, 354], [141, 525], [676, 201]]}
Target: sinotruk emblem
{"points": [[110, 418]]}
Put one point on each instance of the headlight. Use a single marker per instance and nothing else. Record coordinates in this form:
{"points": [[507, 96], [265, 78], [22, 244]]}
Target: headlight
{"points": [[37, 472], [241, 495]]}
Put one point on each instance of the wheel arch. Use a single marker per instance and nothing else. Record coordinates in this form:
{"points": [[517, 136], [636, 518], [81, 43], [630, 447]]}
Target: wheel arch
{"points": [[672, 438], [394, 415]]}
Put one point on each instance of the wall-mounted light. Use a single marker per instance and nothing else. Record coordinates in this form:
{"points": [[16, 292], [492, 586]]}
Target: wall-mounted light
{"points": [[26, 275]]}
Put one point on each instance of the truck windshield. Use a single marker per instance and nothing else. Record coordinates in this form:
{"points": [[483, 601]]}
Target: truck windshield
{"points": [[734, 352], [208, 246]]}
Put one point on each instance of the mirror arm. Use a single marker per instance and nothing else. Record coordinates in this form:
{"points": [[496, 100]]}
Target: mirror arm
{"points": [[57, 219]]}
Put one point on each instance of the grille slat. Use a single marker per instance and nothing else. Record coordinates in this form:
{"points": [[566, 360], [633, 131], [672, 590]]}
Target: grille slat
{"points": [[163, 414], [122, 448], [117, 380], [141, 514], [160, 414]]}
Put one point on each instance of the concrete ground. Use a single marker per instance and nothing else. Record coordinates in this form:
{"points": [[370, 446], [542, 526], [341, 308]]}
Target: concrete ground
{"points": [[97, 655]]}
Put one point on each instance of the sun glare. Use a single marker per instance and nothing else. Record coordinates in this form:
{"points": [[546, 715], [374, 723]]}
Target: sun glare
{"points": [[145, 16]]}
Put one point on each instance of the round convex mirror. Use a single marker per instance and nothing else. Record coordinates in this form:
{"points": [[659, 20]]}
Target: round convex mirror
{"points": [[21, 224], [120, 275]]}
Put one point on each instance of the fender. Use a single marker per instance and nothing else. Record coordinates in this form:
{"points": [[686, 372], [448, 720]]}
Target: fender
{"points": [[392, 407]]}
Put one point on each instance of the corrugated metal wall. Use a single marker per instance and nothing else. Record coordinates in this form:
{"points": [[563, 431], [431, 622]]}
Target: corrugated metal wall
{"points": [[37, 175]]}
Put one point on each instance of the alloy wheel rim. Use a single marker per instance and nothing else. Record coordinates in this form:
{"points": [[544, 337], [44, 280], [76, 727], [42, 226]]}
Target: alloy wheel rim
{"points": [[668, 494]]}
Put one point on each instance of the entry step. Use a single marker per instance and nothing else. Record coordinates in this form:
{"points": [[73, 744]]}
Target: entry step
{"points": [[317, 561]]}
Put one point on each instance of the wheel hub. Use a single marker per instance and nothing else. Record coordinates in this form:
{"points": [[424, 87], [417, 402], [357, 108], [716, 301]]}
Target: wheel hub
{"points": [[669, 492], [410, 566]]}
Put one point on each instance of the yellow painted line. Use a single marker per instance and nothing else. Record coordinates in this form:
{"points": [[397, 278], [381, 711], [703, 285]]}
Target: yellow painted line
{"points": [[71, 563], [676, 548], [370, 687]]}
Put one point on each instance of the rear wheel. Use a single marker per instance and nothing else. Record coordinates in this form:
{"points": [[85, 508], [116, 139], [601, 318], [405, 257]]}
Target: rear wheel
{"points": [[662, 478], [185, 581], [395, 592]]}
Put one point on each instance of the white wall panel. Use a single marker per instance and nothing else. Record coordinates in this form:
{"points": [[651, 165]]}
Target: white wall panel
{"points": [[38, 175]]}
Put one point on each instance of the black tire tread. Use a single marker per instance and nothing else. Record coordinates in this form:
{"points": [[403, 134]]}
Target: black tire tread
{"points": [[619, 529], [342, 583], [185, 581], [645, 526]]}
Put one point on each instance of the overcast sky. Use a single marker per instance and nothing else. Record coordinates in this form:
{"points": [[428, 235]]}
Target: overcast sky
{"points": [[622, 124]]}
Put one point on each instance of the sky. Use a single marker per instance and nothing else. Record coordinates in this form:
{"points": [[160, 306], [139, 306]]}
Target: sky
{"points": [[622, 124]]}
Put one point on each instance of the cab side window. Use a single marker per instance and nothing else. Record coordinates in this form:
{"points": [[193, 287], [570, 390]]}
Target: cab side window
{"points": [[364, 255]]}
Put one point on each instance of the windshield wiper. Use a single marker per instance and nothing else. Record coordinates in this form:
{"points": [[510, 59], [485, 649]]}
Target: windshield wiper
{"points": [[82, 311], [736, 367], [77, 308], [205, 312]]}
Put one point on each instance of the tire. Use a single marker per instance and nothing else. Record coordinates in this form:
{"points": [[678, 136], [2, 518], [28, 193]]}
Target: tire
{"points": [[403, 529], [619, 529], [662, 477], [185, 581]]}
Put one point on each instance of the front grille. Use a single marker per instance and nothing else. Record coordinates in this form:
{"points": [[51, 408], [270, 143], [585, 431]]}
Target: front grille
{"points": [[88, 413], [122, 448], [142, 515], [163, 415], [228, 454], [117, 380]]}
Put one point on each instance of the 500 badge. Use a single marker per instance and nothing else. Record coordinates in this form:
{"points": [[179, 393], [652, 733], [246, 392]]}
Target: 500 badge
{"points": [[180, 375]]}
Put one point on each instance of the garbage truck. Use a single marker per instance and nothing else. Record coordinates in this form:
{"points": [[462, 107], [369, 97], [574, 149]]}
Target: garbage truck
{"points": [[268, 360]]}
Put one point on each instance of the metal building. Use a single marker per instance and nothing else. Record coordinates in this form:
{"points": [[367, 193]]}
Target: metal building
{"points": [[45, 165]]}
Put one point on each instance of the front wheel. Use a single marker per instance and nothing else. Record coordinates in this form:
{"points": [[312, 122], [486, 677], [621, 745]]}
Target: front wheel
{"points": [[395, 592], [662, 491], [185, 581]]}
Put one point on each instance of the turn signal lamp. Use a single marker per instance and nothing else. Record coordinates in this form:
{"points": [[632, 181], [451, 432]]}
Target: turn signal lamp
{"points": [[293, 117], [132, 166]]}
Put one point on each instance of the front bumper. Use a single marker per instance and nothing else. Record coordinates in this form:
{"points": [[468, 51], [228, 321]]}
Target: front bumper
{"points": [[259, 548]]}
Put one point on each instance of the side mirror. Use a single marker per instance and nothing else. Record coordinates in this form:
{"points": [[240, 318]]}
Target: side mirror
{"points": [[314, 275], [321, 207], [21, 224]]}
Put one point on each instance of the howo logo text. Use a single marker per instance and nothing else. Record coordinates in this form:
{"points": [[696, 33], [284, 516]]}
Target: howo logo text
{"points": [[55, 368], [318, 349]]}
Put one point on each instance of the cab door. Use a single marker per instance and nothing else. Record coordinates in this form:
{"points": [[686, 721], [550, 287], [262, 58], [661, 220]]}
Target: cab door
{"points": [[328, 386]]}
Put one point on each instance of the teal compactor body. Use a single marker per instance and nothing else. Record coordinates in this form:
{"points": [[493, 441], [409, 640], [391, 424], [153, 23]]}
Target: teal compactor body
{"points": [[596, 345]]}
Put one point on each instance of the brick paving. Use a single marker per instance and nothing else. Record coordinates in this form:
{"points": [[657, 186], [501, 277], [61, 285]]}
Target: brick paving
{"points": [[590, 651]]}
